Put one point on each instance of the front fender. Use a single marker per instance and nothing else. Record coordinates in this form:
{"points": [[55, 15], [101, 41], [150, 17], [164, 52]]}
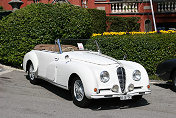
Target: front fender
{"points": [[89, 80], [30, 56], [83, 70]]}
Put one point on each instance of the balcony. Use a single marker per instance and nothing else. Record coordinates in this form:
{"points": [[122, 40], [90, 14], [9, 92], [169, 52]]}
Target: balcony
{"points": [[124, 7], [166, 6]]}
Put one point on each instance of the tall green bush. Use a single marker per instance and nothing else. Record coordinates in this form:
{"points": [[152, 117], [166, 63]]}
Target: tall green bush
{"points": [[40, 23], [122, 24], [148, 50], [98, 20], [1, 8]]}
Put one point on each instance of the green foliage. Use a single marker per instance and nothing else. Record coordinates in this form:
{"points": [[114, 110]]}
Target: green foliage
{"points": [[148, 50], [122, 24], [40, 24], [1, 8], [98, 20]]}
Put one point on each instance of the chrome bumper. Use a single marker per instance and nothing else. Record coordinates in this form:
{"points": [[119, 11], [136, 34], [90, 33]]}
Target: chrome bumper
{"points": [[113, 95]]}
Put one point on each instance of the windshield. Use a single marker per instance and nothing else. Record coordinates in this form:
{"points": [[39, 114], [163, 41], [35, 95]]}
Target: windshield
{"points": [[78, 45]]}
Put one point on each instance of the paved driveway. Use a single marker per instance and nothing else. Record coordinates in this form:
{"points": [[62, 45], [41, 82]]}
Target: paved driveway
{"points": [[20, 99]]}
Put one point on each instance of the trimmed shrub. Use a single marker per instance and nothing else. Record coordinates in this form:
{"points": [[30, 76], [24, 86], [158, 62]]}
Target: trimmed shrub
{"points": [[122, 24], [4, 13], [148, 50], [98, 20], [1, 8], [40, 23]]}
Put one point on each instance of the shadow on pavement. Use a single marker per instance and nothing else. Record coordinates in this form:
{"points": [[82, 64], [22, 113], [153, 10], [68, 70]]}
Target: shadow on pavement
{"points": [[54, 89], [167, 85], [115, 103], [96, 105]]}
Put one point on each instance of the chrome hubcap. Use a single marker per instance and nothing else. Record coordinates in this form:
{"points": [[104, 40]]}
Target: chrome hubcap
{"points": [[78, 90], [31, 72]]}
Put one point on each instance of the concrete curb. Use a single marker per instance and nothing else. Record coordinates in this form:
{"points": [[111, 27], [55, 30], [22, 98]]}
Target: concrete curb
{"points": [[157, 81], [4, 67]]}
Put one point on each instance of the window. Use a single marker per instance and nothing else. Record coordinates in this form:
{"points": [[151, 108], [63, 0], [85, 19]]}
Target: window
{"points": [[148, 25], [84, 3], [36, 1]]}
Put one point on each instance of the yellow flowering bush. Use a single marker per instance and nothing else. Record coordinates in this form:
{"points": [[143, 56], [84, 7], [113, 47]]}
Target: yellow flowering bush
{"points": [[133, 33]]}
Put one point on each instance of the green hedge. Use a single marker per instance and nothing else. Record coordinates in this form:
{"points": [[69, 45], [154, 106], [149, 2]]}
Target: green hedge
{"points": [[98, 20], [40, 23], [1, 8], [122, 24], [148, 50]]}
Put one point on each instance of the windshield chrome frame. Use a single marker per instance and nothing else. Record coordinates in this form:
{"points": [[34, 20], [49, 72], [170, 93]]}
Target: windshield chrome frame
{"points": [[98, 48], [60, 49], [59, 45]]}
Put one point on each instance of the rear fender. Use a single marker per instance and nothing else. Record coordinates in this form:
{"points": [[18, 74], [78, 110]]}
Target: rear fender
{"points": [[30, 56]]}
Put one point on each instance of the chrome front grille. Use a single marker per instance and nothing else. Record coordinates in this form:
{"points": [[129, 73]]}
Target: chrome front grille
{"points": [[122, 77]]}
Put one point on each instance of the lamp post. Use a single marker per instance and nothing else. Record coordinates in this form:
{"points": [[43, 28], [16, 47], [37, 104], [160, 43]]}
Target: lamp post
{"points": [[16, 4], [154, 22]]}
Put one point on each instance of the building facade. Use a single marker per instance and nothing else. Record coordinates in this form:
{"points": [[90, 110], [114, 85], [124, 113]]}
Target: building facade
{"points": [[164, 10]]}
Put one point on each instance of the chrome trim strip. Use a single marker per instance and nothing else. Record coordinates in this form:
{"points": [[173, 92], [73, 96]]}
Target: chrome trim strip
{"points": [[52, 82]]}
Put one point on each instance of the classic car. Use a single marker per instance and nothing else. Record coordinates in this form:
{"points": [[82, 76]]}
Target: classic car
{"points": [[167, 71], [86, 72]]}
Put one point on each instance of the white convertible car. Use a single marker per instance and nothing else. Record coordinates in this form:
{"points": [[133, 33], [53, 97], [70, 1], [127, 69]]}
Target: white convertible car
{"points": [[88, 74]]}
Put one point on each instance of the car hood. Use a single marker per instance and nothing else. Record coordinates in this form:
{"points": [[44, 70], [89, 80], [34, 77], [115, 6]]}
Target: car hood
{"points": [[92, 57], [131, 65]]}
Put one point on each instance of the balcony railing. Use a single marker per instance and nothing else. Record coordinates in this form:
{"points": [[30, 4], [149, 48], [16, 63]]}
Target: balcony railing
{"points": [[124, 7], [166, 6]]}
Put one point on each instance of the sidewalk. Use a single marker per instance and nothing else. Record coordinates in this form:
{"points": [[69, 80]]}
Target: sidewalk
{"points": [[157, 81], [1, 68], [4, 67]]}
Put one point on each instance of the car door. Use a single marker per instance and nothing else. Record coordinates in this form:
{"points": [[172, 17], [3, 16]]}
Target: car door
{"points": [[63, 70], [47, 64]]}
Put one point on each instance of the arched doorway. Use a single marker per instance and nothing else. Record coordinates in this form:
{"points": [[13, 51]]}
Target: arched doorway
{"points": [[84, 3], [148, 25]]}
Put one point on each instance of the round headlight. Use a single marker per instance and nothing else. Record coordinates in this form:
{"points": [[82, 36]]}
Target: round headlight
{"points": [[104, 76], [136, 75]]}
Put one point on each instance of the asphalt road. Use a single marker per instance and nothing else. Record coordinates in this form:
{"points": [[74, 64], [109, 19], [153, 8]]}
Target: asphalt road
{"points": [[20, 99]]}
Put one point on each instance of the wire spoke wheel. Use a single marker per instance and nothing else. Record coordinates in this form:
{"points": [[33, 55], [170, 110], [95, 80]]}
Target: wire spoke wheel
{"points": [[78, 93], [78, 90], [31, 72]]}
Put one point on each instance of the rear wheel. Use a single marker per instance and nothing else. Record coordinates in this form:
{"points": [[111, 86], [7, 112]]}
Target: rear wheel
{"points": [[32, 74], [78, 94]]}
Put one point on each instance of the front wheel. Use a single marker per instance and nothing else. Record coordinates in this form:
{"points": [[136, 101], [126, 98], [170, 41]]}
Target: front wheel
{"points": [[32, 75], [78, 94]]}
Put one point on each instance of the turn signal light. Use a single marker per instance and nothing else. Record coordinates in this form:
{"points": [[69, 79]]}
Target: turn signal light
{"points": [[148, 86], [95, 89]]}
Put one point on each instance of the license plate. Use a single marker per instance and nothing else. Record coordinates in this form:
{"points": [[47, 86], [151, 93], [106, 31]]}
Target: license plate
{"points": [[125, 97]]}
